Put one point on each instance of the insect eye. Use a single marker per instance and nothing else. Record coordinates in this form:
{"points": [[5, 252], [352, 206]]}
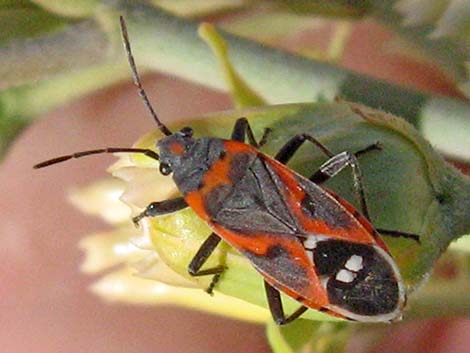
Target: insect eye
{"points": [[186, 132], [165, 169]]}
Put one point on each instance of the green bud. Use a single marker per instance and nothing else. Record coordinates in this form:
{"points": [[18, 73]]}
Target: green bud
{"points": [[408, 188]]}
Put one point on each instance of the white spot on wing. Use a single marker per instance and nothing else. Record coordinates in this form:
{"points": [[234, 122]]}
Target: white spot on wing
{"points": [[354, 263], [388, 317], [345, 276], [310, 255], [310, 242]]}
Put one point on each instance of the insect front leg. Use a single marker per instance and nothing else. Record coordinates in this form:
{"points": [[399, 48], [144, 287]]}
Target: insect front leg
{"points": [[161, 208], [206, 249], [242, 129], [276, 308]]}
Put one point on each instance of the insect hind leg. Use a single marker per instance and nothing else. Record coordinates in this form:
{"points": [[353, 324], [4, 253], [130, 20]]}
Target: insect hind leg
{"points": [[275, 306], [333, 166], [399, 234], [337, 163], [340, 161]]}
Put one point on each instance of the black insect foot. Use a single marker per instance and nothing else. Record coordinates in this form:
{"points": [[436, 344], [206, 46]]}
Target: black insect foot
{"points": [[378, 145], [210, 290], [280, 321], [136, 220]]}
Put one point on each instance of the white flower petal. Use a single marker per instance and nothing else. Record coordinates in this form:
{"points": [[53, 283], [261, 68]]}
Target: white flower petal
{"points": [[122, 286], [102, 198]]}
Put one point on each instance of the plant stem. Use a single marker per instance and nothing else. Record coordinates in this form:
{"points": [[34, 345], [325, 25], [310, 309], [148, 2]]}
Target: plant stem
{"points": [[167, 43]]}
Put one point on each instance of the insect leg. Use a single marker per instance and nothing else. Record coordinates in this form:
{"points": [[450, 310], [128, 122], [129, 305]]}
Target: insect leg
{"points": [[275, 306], [337, 163], [206, 249], [242, 128], [161, 208], [399, 234], [290, 147], [333, 166]]}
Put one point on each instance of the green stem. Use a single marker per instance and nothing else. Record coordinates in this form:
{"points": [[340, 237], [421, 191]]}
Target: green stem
{"points": [[47, 94], [19, 105], [77, 46], [170, 44]]}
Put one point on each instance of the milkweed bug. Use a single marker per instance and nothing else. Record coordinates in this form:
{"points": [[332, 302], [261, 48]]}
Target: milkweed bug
{"points": [[306, 241]]}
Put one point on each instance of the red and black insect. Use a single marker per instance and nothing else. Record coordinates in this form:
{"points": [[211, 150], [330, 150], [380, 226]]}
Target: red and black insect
{"points": [[304, 240]]}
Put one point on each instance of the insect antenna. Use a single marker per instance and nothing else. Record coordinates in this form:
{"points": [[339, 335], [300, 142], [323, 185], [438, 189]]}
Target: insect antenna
{"points": [[147, 152], [143, 95], [136, 78]]}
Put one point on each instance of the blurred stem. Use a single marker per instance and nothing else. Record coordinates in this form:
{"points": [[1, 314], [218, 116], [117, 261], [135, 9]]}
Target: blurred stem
{"points": [[46, 94], [168, 43], [19, 105], [73, 8], [77, 46], [242, 94]]}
